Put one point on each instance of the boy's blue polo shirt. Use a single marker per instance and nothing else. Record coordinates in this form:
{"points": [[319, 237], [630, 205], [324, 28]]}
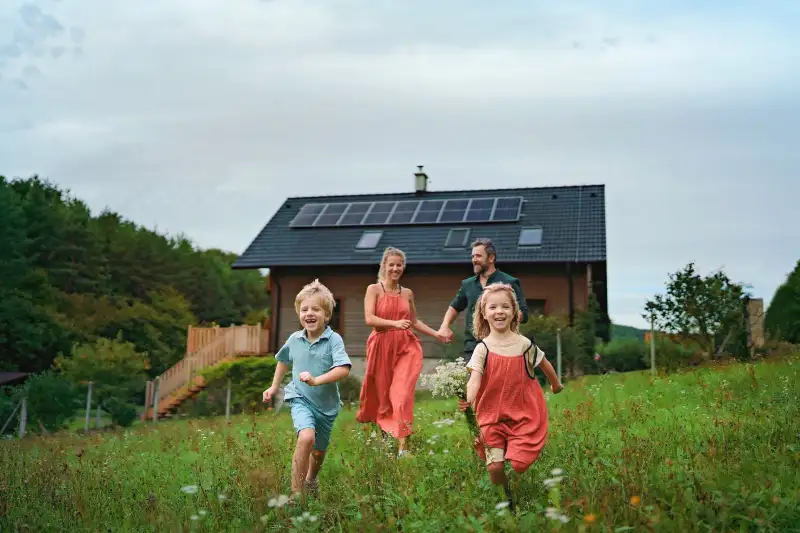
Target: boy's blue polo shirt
{"points": [[317, 357]]}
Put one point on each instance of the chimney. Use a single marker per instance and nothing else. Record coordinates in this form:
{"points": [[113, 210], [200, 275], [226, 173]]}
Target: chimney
{"points": [[420, 181]]}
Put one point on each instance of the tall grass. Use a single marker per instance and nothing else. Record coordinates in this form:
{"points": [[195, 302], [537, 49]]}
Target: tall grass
{"points": [[705, 450]]}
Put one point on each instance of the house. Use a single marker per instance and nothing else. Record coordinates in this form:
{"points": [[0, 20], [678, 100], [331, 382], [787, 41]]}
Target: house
{"points": [[552, 238]]}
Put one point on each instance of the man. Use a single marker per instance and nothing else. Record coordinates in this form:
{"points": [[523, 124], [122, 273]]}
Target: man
{"points": [[484, 255]]}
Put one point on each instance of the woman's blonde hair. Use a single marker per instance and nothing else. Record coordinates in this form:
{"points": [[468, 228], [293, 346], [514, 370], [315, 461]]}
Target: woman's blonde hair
{"points": [[480, 325], [387, 253], [325, 296]]}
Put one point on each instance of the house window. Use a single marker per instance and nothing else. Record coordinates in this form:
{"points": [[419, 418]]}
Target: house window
{"points": [[336, 317], [457, 238], [530, 237], [535, 307], [369, 240]]}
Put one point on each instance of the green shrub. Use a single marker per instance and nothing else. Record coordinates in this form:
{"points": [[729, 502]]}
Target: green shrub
{"points": [[624, 355], [122, 413], [249, 376], [52, 401], [350, 388], [672, 355], [115, 368], [544, 331]]}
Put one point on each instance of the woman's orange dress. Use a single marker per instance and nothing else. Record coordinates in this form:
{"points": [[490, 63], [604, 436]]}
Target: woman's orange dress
{"points": [[394, 362]]}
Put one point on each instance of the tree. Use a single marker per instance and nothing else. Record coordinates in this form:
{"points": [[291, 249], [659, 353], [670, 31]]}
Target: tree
{"points": [[782, 320], [708, 309]]}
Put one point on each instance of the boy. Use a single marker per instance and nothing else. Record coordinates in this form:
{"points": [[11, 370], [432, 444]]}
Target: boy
{"points": [[318, 359]]}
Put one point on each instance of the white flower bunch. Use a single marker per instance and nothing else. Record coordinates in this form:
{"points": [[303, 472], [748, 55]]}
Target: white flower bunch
{"points": [[449, 380]]}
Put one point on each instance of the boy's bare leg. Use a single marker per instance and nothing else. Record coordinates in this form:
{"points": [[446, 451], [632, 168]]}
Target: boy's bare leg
{"points": [[551, 376], [315, 464], [300, 461]]}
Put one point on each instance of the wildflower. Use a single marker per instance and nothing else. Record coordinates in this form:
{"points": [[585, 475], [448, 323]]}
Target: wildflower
{"points": [[190, 489], [202, 512], [590, 518], [278, 502], [552, 482], [501, 505], [430, 452], [221, 497], [635, 500], [264, 518], [557, 472], [194, 517], [446, 451]]}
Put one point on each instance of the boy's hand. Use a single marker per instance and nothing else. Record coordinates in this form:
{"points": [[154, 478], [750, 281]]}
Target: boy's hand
{"points": [[557, 388], [269, 393], [307, 378]]}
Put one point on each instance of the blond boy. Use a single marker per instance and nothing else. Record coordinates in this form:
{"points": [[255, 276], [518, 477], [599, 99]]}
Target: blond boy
{"points": [[318, 360]]}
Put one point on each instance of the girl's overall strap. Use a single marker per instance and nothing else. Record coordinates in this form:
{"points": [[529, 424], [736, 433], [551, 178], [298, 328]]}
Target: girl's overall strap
{"points": [[525, 358], [486, 357]]}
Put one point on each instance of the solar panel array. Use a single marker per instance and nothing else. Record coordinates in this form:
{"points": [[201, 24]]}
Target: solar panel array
{"points": [[453, 211]]}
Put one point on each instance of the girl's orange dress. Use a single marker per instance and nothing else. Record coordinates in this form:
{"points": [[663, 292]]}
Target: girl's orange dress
{"points": [[511, 410], [394, 362]]}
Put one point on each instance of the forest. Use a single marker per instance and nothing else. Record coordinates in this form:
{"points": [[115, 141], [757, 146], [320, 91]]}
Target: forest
{"points": [[68, 276]]}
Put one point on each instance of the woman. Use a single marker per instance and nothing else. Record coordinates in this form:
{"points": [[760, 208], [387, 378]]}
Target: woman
{"points": [[394, 353]]}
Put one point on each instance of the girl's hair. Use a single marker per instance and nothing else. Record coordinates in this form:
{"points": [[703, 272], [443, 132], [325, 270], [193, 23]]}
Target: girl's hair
{"points": [[325, 296], [387, 253], [480, 325]]}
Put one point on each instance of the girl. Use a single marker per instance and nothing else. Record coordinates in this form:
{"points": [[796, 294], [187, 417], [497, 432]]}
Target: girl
{"points": [[508, 401], [394, 353]]}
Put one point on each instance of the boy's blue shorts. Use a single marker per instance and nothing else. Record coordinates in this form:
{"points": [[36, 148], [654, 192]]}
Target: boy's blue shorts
{"points": [[305, 415]]}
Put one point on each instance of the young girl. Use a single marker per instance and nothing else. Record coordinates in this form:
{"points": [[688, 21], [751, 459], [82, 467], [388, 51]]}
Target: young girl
{"points": [[508, 401]]}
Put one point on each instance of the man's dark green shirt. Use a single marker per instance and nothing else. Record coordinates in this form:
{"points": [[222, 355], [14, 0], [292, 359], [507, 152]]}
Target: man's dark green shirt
{"points": [[468, 294]]}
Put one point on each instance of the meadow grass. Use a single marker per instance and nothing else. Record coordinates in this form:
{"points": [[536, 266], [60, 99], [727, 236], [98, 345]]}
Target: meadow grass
{"points": [[705, 450]]}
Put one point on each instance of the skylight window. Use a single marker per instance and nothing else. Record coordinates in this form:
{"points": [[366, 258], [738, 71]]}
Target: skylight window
{"points": [[369, 240], [530, 237], [457, 238]]}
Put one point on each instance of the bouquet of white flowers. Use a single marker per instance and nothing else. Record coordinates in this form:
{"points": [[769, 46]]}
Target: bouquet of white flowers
{"points": [[450, 379]]}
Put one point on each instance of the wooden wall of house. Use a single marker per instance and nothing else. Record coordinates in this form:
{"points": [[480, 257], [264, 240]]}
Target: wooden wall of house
{"points": [[434, 288]]}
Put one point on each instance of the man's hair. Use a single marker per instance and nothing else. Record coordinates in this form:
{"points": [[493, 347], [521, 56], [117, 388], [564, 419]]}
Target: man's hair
{"points": [[325, 296], [487, 244]]}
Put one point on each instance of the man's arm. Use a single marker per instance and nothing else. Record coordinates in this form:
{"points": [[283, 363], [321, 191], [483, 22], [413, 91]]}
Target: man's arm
{"points": [[523, 306]]}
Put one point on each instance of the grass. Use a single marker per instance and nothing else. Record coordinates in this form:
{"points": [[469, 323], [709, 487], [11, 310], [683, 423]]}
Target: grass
{"points": [[706, 450]]}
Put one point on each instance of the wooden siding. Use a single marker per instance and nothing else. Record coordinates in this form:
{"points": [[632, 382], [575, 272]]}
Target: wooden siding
{"points": [[433, 288]]}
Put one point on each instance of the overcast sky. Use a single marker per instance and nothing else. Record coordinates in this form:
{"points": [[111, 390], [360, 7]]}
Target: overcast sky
{"points": [[201, 116]]}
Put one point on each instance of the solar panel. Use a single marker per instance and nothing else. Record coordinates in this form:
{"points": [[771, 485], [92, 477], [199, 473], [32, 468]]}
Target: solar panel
{"points": [[331, 215], [454, 211], [355, 212], [506, 209], [403, 212], [480, 210], [428, 211], [379, 213], [308, 214]]}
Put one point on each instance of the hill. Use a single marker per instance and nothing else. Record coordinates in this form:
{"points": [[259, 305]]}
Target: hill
{"points": [[618, 331]]}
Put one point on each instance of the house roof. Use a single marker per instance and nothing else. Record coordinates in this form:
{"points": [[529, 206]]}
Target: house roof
{"points": [[572, 221], [11, 377]]}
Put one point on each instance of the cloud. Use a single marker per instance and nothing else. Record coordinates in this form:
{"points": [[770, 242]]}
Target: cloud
{"points": [[169, 111]]}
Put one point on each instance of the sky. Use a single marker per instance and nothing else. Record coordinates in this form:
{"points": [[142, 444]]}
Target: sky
{"points": [[200, 117]]}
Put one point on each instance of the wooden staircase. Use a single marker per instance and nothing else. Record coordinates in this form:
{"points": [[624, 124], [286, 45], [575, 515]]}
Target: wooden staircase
{"points": [[205, 347]]}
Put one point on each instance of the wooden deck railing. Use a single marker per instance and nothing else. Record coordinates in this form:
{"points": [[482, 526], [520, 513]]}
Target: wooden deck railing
{"points": [[206, 347]]}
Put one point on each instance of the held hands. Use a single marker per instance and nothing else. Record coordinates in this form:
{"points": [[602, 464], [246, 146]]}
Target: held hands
{"points": [[307, 378], [269, 393], [444, 335]]}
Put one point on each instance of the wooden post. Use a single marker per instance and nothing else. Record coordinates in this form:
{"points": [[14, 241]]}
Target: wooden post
{"points": [[147, 398], [652, 345], [228, 404], [23, 417], [189, 341], [155, 400], [97, 416], [558, 353], [88, 407]]}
